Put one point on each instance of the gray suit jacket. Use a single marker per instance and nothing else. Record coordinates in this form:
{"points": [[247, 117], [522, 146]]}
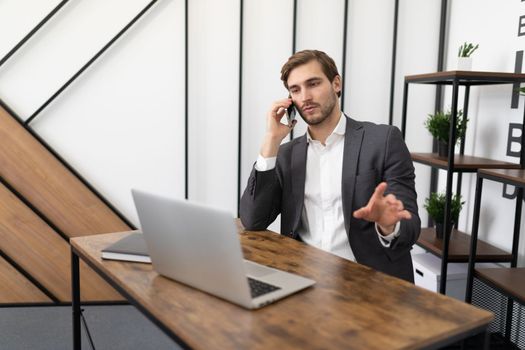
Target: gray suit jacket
{"points": [[372, 154]]}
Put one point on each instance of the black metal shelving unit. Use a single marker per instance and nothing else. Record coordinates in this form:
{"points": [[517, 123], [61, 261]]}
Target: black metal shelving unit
{"points": [[455, 247], [509, 282]]}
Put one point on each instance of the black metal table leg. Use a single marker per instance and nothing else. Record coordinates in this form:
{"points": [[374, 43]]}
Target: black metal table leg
{"points": [[486, 340], [75, 300]]}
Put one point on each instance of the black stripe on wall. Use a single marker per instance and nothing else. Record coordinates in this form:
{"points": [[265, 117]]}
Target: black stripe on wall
{"points": [[294, 27], [434, 173], [393, 69], [343, 68], [294, 40], [239, 135], [32, 32], [186, 115], [441, 52]]}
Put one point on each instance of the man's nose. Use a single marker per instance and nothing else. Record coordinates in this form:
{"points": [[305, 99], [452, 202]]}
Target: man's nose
{"points": [[306, 96]]}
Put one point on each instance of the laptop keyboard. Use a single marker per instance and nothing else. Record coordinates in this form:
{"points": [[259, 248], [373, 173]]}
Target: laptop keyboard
{"points": [[258, 288]]}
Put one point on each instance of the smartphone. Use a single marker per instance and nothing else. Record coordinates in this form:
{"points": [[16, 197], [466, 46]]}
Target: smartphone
{"points": [[291, 112]]}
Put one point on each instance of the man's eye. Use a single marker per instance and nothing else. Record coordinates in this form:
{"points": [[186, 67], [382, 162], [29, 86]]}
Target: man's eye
{"points": [[314, 83]]}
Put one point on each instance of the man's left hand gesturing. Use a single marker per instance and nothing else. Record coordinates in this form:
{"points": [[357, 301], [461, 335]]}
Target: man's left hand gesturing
{"points": [[385, 211]]}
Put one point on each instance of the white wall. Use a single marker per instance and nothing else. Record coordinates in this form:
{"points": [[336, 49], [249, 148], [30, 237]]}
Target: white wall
{"points": [[27, 14], [319, 27], [213, 101], [369, 60], [121, 124], [267, 42]]}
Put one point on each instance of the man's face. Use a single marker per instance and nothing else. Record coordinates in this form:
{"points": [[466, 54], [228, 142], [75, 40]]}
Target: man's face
{"points": [[312, 93]]}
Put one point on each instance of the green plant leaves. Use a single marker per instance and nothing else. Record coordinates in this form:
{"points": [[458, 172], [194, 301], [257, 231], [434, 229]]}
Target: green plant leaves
{"points": [[439, 125], [467, 49], [435, 206]]}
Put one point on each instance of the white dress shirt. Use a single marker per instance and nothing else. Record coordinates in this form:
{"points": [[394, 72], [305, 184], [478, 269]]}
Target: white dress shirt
{"points": [[322, 220]]}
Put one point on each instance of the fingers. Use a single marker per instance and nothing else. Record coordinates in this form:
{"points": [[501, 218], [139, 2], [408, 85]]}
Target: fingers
{"points": [[394, 202], [377, 197], [275, 130], [379, 191], [398, 216], [386, 215], [404, 214], [279, 108], [390, 198], [397, 207], [365, 213], [384, 209], [361, 213]]}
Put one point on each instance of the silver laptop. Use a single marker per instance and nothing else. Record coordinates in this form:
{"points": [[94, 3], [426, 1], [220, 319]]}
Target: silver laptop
{"points": [[199, 246]]}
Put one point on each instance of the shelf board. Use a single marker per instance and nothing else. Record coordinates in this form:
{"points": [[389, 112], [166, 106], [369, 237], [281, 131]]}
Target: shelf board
{"points": [[510, 281], [462, 163], [466, 78], [459, 247], [515, 177]]}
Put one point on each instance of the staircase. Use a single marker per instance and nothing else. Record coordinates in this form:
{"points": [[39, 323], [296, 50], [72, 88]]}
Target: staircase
{"points": [[43, 203]]}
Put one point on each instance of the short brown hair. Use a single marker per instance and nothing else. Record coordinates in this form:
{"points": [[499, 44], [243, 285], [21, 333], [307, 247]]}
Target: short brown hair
{"points": [[305, 56]]}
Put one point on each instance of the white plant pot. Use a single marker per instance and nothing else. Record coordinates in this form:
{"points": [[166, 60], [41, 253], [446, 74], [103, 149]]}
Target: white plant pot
{"points": [[464, 63]]}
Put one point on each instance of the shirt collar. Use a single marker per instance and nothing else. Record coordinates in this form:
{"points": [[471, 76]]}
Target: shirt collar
{"points": [[340, 129]]}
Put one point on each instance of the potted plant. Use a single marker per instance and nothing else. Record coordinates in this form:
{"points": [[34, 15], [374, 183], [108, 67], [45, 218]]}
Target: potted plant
{"points": [[464, 59], [435, 206], [521, 90], [439, 126]]}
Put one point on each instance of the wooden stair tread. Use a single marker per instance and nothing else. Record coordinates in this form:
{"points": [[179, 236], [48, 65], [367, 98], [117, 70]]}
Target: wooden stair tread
{"points": [[40, 251], [49, 186], [16, 288]]}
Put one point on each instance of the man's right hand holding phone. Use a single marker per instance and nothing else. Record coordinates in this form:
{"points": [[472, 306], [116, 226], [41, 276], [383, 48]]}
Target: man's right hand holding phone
{"points": [[275, 130]]}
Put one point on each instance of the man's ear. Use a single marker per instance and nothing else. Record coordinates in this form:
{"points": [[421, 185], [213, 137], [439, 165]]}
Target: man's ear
{"points": [[337, 83]]}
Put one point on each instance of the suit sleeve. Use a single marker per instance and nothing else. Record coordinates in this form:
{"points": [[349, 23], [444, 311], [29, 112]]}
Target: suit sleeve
{"points": [[261, 200], [399, 175]]}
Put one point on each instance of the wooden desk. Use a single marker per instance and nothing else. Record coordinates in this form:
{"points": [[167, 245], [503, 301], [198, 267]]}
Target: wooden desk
{"points": [[350, 307]]}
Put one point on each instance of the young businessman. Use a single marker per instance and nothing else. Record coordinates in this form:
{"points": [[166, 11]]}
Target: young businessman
{"points": [[346, 186]]}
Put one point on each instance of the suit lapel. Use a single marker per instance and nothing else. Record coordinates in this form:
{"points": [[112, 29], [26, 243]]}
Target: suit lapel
{"points": [[298, 173], [352, 149]]}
